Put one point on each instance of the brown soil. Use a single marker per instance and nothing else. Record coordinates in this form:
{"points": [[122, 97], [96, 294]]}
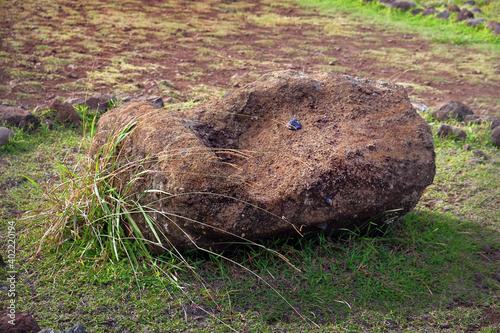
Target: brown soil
{"points": [[195, 52]]}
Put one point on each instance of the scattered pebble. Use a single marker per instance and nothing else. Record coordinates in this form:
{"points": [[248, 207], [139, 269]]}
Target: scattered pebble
{"points": [[294, 124], [445, 325], [486, 248], [474, 160]]}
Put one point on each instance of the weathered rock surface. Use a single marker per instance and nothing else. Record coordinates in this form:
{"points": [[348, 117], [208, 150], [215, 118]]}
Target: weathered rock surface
{"points": [[444, 15], [448, 130], [5, 135], [464, 15], [403, 5], [495, 122], [475, 22], [495, 136], [429, 11], [233, 166], [453, 109], [24, 323], [64, 112], [98, 102], [17, 117]]}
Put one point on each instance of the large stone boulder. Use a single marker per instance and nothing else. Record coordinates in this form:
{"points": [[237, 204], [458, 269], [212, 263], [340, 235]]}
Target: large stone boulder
{"points": [[288, 153]]}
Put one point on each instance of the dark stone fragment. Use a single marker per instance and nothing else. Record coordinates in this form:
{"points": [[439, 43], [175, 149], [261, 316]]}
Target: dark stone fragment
{"points": [[448, 130], [492, 25], [495, 136], [294, 124], [451, 109], [429, 11], [17, 117], [495, 122], [156, 101], [444, 15], [403, 5], [454, 9], [470, 2], [5, 135], [475, 22], [64, 112], [98, 102], [473, 119], [416, 11], [24, 323], [445, 325], [464, 15]]}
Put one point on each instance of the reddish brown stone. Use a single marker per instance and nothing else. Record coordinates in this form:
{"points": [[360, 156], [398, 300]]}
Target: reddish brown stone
{"points": [[233, 166], [18, 322]]}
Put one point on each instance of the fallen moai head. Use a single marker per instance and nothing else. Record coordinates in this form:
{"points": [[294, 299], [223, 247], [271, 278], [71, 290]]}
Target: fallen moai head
{"points": [[288, 153]]}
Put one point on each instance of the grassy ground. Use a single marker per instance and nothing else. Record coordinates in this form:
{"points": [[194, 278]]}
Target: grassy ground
{"points": [[435, 269]]}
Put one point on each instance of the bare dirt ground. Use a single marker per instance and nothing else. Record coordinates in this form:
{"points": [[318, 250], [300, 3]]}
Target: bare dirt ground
{"points": [[190, 50]]}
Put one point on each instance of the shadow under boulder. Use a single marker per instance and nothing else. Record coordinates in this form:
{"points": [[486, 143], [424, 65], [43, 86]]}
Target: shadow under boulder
{"points": [[241, 166]]}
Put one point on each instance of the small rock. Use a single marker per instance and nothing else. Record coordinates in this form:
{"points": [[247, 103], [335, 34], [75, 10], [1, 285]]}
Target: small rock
{"points": [[495, 136], [470, 2], [98, 102], [497, 276], [448, 130], [64, 112], [429, 11], [467, 147], [492, 25], [451, 109], [495, 122], [427, 317], [5, 135], [294, 124], [416, 11], [476, 10], [445, 325], [156, 101], [473, 119], [72, 75], [444, 15], [386, 2], [24, 322], [391, 324], [474, 160], [454, 9], [17, 117], [403, 5], [486, 248], [464, 15], [475, 22], [2, 263], [479, 153]]}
